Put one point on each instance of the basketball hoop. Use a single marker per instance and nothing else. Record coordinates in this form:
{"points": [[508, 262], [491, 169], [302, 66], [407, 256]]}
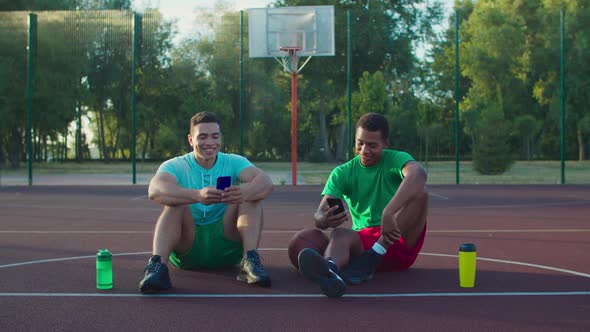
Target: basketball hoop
{"points": [[306, 30], [290, 60]]}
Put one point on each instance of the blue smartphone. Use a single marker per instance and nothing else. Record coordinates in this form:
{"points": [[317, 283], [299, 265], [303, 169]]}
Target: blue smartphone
{"points": [[223, 182]]}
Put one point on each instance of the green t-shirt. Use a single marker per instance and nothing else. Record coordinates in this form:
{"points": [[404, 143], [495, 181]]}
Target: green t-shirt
{"points": [[367, 190]]}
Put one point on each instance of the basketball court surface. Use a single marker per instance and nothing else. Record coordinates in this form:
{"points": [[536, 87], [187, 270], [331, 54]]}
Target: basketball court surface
{"points": [[533, 271]]}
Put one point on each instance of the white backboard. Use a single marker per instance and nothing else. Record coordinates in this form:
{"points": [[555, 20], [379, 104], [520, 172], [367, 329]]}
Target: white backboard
{"points": [[310, 28]]}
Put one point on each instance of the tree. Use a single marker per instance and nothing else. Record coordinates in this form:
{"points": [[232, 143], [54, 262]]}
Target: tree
{"points": [[547, 91], [491, 153], [384, 36], [527, 127]]}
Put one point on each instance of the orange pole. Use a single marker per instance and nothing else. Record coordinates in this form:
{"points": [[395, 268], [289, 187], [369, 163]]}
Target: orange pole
{"points": [[294, 120]]}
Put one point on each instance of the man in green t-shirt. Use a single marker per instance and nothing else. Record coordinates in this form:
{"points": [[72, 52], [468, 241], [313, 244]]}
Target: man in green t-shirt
{"points": [[384, 191], [207, 222]]}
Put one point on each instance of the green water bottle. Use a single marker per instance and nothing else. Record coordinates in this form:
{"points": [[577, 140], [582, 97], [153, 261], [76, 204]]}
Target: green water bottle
{"points": [[104, 269]]}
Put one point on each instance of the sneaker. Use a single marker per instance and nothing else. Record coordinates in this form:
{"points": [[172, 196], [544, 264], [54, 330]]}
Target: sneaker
{"points": [[252, 271], [315, 268], [361, 268], [156, 276]]}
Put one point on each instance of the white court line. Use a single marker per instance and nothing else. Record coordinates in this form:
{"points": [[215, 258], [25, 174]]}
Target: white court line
{"points": [[71, 207], [509, 230], [511, 206], [391, 295], [543, 267], [76, 232], [458, 294], [500, 206], [438, 196], [565, 230]]}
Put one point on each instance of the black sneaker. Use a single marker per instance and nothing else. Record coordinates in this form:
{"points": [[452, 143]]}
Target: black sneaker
{"points": [[156, 276], [252, 271], [315, 268], [361, 268]]}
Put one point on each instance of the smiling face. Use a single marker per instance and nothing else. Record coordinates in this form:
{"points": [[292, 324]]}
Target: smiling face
{"points": [[205, 140], [369, 146]]}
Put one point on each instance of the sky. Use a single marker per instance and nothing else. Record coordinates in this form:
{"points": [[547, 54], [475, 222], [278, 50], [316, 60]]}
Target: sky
{"points": [[184, 7], [184, 12]]}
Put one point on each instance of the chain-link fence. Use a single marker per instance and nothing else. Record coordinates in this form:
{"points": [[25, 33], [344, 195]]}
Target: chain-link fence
{"points": [[105, 96]]}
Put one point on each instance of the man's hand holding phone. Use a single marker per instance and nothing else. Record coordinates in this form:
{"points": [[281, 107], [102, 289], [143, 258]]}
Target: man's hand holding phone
{"points": [[230, 195], [223, 182], [332, 215]]}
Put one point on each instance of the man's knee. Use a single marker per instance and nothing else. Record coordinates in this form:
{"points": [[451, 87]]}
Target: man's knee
{"points": [[174, 212], [422, 196], [250, 208], [419, 201], [344, 236]]}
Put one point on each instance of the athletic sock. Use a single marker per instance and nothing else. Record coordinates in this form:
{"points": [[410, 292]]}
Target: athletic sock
{"points": [[377, 248]]}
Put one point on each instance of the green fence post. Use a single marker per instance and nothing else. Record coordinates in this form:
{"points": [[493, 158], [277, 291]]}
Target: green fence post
{"points": [[137, 27], [32, 50], [562, 95], [242, 82], [349, 86], [457, 96]]}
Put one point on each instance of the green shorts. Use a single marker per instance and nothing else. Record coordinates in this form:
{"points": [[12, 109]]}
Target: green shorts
{"points": [[210, 250]]}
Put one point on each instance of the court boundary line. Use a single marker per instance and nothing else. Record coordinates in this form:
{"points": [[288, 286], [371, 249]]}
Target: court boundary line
{"points": [[259, 295], [445, 198], [467, 207], [533, 230], [502, 261], [512, 206]]}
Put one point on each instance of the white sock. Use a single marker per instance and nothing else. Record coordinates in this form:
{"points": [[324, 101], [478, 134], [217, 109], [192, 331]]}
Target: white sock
{"points": [[379, 248]]}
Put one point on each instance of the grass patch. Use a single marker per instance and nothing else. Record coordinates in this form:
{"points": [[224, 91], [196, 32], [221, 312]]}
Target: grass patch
{"points": [[439, 172]]}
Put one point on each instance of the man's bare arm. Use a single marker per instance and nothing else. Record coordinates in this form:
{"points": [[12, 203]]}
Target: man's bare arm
{"points": [[413, 183], [164, 190], [256, 184]]}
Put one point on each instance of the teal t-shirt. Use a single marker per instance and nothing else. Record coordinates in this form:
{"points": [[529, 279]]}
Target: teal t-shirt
{"points": [[367, 190], [189, 174]]}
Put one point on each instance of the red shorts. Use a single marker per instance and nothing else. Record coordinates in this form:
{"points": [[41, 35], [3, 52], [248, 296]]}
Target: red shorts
{"points": [[398, 257]]}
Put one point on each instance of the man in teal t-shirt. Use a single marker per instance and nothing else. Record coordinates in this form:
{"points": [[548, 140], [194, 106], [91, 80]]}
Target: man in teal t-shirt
{"points": [[202, 225], [384, 191]]}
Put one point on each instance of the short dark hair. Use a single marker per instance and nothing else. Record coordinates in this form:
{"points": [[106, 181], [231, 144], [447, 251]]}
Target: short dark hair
{"points": [[204, 117], [374, 122]]}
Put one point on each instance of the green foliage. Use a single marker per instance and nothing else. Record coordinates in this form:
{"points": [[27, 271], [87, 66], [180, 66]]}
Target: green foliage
{"points": [[509, 81], [526, 127], [491, 153]]}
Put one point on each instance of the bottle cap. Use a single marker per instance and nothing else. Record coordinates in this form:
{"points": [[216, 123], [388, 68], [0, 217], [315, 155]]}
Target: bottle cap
{"points": [[103, 255], [468, 247]]}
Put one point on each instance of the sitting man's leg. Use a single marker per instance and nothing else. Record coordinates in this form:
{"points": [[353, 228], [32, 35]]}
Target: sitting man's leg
{"points": [[344, 243], [244, 223], [324, 270], [175, 230], [410, 224], [411, 220]]}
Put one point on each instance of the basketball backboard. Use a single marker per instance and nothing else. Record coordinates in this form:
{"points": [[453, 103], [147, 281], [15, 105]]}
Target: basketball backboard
{"points": [[308, 28]]}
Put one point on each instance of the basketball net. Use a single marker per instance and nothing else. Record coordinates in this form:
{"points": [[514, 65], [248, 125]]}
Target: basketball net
{"points": [[290, 60]]}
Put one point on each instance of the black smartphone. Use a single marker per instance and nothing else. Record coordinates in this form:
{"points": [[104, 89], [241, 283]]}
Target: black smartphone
{"points": [[223, 182], [336, 202]]}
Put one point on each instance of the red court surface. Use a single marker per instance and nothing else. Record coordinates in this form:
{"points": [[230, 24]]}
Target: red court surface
{"points": [[533, 268]]}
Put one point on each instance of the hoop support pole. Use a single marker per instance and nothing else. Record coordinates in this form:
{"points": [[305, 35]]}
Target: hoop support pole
{"points": [[294, 120]]}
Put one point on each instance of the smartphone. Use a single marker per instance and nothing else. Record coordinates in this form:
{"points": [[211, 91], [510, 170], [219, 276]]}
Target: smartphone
{"points": [[223, 182], [336, 202]]}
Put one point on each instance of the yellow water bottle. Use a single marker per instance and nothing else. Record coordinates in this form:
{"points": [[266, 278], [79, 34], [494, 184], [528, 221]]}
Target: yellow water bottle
{"points": [[104, 269], [467, 257]]}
